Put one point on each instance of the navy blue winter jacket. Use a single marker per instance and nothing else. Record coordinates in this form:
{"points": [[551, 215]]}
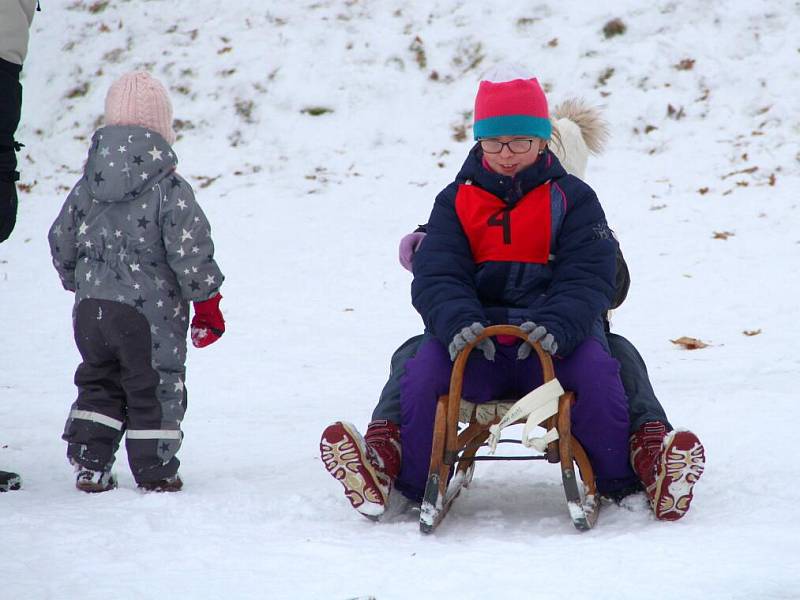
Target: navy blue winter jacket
{"points": [[567, 292]]}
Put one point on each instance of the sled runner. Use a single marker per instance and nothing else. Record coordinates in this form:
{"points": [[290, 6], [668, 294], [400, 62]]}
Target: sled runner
{"points": [[454, 452]]}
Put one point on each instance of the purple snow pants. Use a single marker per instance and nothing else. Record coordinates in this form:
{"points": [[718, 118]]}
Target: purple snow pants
{"points": [[599, 415]]}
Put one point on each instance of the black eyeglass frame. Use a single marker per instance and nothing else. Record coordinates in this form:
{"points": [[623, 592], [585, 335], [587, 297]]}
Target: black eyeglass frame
{"points": [[510, 149]]}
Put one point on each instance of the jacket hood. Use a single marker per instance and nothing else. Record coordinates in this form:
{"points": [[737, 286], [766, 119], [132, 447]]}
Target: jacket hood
{"points": [[125, 160], [510, 189]]}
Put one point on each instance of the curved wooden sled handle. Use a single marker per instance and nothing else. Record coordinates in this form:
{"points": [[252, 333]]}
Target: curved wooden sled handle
{"points": [[437, 500], [457, 376]]}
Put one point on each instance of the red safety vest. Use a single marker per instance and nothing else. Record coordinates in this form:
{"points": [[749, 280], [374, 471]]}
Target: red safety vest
{"points": [[499, 232]]}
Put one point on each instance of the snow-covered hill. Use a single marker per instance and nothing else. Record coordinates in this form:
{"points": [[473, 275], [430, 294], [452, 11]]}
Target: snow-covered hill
{"points": [[316, 133]]}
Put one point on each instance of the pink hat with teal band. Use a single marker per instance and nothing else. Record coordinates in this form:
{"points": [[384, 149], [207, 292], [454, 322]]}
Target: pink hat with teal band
{"points": [[516, 107]]}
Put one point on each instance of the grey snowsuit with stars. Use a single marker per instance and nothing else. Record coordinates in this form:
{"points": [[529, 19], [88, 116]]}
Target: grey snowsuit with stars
{"points": [[136, 248]]}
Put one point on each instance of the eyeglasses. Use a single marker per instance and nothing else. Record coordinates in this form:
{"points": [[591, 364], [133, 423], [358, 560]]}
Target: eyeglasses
{"points": [[514, 146]]}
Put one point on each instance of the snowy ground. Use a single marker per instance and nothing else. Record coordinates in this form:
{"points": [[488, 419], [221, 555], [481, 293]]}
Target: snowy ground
{"points": [[307, 211]]}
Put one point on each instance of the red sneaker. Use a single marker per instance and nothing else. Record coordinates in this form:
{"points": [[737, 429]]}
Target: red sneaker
{"points": [[365, 466], [669, 464]]}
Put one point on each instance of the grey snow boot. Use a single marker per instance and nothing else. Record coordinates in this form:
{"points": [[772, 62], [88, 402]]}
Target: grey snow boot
{"points": [[93, 482]]}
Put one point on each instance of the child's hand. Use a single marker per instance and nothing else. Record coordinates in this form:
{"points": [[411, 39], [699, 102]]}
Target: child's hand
{"points": [[468, 335], [408, 248], [536, 333], [207, 323]]}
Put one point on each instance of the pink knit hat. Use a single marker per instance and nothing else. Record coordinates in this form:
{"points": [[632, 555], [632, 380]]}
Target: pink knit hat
{"points": [[137, 98]]}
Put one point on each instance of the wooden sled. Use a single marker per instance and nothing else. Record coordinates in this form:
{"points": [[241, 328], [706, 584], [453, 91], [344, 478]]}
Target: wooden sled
{"points": [[454, 452]]}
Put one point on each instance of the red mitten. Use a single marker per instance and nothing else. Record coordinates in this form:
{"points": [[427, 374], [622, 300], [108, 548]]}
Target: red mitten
{"points": [[207, 323]]}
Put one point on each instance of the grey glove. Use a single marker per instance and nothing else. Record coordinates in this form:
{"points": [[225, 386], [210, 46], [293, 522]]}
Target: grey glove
{"points": [[468, 335], [536, 333]]}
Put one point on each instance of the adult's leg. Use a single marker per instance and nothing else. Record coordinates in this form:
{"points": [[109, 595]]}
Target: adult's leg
{"points": [[643, 405], [10, 105]]}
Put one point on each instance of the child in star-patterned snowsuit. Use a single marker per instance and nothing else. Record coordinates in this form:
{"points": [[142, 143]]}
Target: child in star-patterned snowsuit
{"points": [[135, 247]]}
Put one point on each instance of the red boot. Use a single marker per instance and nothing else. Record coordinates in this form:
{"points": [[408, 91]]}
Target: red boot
{"points": [[366, 466], [669, 464]]}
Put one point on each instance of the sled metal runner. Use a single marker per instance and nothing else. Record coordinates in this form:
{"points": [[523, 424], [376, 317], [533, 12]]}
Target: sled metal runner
{"points": [[454, 452]]}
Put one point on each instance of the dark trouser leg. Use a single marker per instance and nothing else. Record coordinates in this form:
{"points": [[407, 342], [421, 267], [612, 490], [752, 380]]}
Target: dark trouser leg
{"points": [[643, 405], [10, 105], [8, 204], [10, 101], [152, 439], [388, 407], [94, 427], [152, 451]]}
